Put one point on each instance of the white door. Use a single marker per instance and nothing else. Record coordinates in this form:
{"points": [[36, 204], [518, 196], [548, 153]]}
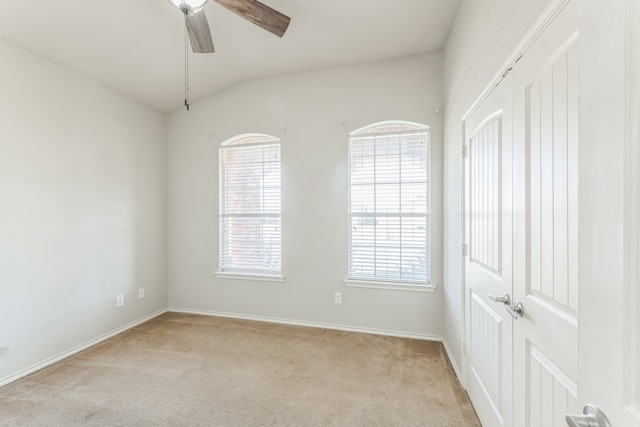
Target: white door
{"points": [[609, 363], [488, 262], [546, 282]]}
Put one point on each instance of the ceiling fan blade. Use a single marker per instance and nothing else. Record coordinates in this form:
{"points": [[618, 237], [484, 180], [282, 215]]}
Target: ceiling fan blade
{"points": [[199, 32], [259, 14]]}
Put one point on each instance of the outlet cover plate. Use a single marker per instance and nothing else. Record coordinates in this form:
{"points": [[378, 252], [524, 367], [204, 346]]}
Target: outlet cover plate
{"points": [[338, 298]]}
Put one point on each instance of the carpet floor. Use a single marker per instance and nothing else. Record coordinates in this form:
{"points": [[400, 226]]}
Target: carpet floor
{"points": [[190, 370]]}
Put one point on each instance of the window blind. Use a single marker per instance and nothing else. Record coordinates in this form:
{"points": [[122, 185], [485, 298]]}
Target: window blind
{"points": [[250, 205], [389, 206]]}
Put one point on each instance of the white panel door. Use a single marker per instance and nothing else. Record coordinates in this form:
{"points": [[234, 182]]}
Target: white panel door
{"points": [[546, 138], [488, 261]]}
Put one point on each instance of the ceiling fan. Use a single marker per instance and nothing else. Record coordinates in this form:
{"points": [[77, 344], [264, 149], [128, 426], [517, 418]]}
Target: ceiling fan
{"points": [[251, 10]]}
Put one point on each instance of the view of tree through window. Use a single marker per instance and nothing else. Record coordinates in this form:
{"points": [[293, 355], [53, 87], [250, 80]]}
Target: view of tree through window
{"points": [[389, 203], [250, 205]]}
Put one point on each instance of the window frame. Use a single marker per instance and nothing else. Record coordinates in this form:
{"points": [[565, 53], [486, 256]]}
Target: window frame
{"points": [[392, 284], [225, 272]]}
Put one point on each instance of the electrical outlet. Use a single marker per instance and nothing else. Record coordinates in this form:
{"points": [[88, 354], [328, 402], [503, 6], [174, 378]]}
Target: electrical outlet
{"points": [[338, 297], [141, 293], [120, 300]]}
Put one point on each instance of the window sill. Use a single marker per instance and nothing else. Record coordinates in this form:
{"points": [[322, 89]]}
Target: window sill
{"points": [[390, 285], [246, 276]]}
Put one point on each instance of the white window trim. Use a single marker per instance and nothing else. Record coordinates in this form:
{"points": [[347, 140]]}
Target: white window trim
{"points": [[249, 276], [396, 286]]}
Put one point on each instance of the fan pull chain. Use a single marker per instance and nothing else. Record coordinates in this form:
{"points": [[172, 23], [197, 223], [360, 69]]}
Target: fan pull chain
{"points": [[186, 66]]}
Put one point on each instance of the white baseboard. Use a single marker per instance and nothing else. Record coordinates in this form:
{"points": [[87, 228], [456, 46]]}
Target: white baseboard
{"points": [[456, 369], [424, 337], [78, 349]]}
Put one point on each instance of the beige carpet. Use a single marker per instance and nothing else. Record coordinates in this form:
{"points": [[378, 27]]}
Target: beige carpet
{"points": [[188, 370]]}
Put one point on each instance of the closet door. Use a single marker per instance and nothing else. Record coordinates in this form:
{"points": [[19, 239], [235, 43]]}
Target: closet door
{"points": [[488, 262], [546, 282]]}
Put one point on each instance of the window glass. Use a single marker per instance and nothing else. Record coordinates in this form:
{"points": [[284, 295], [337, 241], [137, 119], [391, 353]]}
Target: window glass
{"points": [[250, 205], [389, 203]]}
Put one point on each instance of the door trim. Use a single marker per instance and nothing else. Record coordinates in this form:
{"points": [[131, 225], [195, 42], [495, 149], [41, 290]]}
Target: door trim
{"points": [[631, 392], [541, 23]]}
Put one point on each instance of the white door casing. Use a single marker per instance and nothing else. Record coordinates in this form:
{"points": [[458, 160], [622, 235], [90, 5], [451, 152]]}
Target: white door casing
{"points": [[488, 261], [629, 413], [609, 360], [546, 143]]}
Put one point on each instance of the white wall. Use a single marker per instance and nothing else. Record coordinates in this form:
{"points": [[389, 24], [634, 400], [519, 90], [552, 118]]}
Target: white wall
{"points": [[304, 110], [82, 211], [483, 36]]}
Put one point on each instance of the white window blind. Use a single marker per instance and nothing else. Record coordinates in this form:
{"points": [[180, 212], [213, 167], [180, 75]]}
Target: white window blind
{"points": [[250, 205], [389, 203]]}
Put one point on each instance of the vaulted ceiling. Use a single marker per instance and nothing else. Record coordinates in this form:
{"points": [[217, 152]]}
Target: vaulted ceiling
{"points": [[137, 46]]}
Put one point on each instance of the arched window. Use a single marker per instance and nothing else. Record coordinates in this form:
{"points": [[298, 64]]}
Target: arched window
{"points": [[389, 203], [250, 205]]}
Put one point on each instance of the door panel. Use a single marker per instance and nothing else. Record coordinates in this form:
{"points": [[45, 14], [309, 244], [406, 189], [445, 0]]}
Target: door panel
{"points": [[552, 394], [488, 264], [487, 349], [553, 141], [485, 224], [545, 340]]}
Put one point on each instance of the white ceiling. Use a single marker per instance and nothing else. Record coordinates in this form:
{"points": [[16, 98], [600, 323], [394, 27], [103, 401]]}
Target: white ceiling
{"points": [[137, 46]]}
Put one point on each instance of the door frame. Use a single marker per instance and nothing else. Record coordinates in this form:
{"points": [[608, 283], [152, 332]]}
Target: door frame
{"points": [[610, 249], [539, 26], [631, 272]]}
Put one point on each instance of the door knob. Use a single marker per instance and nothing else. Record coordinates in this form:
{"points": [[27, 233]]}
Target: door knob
{"points": [[516, 310], [591, 416], [503, 299]]}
